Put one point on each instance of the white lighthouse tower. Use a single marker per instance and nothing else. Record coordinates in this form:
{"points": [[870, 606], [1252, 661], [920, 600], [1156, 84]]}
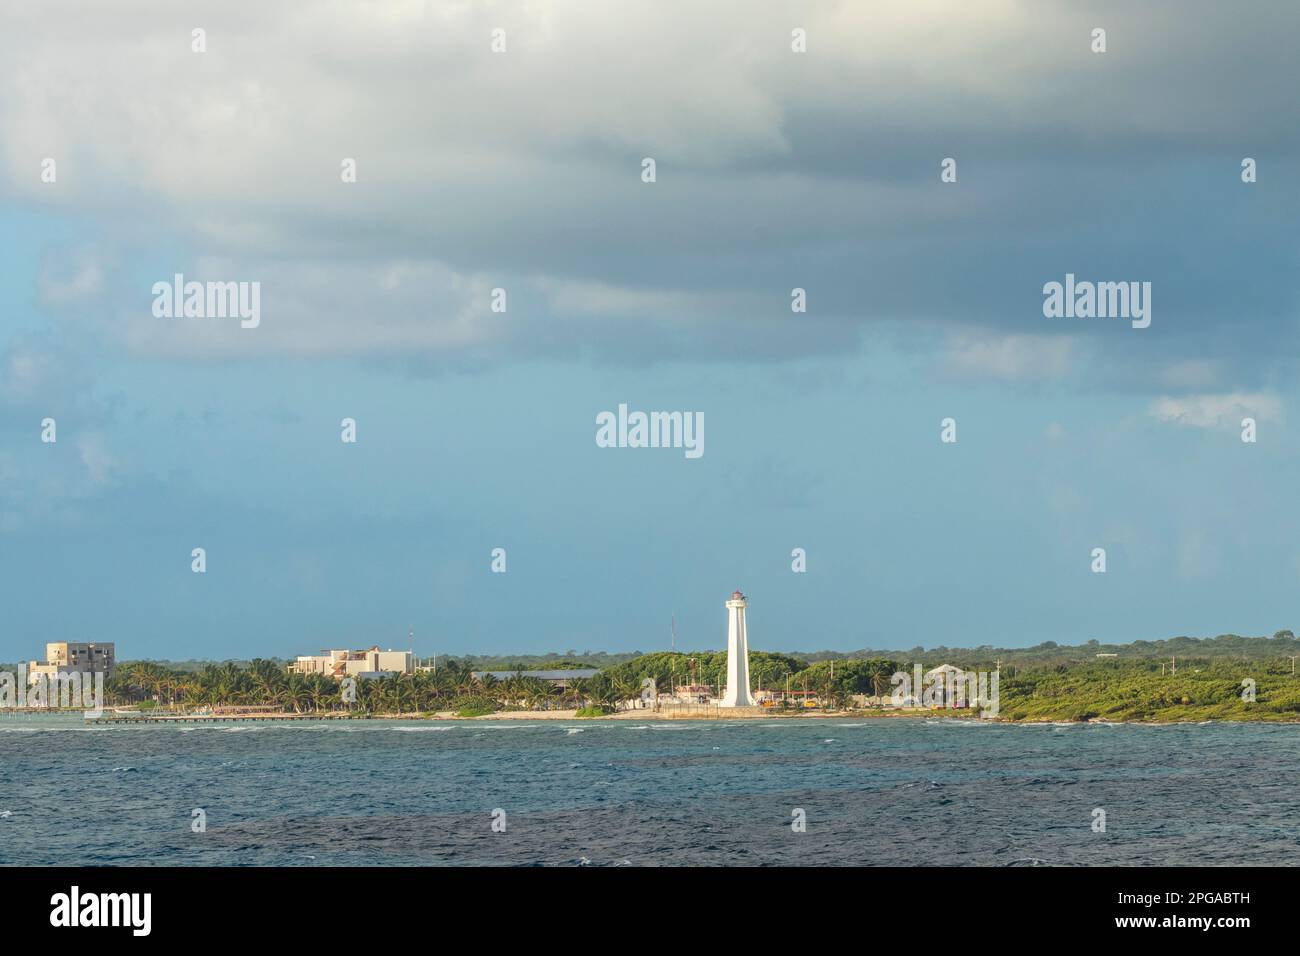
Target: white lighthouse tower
{"points": [[737, 694]]}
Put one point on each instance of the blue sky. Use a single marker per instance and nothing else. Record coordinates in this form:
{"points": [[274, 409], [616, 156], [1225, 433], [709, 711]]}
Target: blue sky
{"points": [[476, 429]]}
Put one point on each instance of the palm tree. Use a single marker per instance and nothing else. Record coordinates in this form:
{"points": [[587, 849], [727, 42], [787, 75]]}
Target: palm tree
{"points": [[577, 690], [317, 691], [266, 679], [192, 693], [624, 688], [879, 681]]}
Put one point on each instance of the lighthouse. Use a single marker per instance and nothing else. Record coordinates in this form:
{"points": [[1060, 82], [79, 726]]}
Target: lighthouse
{"points": [[737, 694]]}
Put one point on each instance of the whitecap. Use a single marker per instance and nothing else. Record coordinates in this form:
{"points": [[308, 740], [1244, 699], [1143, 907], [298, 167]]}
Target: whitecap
{"points": [[506, 726], [411, 730]]}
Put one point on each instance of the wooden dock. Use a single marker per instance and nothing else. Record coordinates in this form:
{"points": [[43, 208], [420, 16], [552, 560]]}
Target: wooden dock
{"points": [[216, 718]]}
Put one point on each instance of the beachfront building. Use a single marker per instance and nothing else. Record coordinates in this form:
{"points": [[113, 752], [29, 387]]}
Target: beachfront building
{"points": [[946, 681], [371, 662], [67, 657], [737, 693], [693, 693]]}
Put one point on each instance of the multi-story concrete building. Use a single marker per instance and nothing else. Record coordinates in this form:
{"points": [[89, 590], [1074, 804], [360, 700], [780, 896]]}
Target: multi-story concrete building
{"points": [[67, 657], [344, 663]]}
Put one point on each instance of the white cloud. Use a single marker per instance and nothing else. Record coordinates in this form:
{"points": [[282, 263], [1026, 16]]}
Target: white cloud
{"points": [[70, 279], [96, 458], [1016, 358], [525, 165], [25, 372], [1214, 411]]}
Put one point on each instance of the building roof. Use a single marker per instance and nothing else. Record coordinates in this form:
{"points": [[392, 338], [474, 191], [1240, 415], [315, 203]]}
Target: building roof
{"points": [[575, 674]]}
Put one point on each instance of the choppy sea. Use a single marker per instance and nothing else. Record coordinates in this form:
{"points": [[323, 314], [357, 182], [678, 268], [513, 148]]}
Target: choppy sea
{"points": [[887, 792]]}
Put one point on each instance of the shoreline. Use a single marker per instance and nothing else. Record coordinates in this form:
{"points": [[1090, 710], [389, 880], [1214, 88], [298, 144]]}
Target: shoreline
{"points": [[629, 715]]}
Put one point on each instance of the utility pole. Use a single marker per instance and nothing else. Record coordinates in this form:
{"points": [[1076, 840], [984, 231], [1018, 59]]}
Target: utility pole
{"points": [[1173, 665], [1293, 657], [673, 626]]}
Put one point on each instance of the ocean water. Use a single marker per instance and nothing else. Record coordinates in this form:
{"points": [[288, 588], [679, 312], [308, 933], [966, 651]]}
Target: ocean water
{"points": [[888, 792]]}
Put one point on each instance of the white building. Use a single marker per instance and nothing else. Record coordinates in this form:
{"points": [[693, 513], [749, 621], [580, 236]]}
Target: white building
{"points": [[65, 657], [344, 663], [737, 693]]}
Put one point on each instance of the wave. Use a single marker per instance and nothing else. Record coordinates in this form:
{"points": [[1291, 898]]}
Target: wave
{"points": [[506, 726], [411, 730]]}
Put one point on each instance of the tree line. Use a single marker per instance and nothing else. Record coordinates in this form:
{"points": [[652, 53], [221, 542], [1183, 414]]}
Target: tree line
{"points": [[454, 686]]}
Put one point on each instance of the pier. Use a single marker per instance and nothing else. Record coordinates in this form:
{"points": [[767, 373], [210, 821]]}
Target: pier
{"points": [[216, 718]]}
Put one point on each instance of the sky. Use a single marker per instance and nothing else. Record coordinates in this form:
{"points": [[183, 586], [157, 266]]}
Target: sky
{"points": [[522, 170]]}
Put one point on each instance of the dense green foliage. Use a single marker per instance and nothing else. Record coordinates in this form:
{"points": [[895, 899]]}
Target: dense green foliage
{"points": [[1046, 682], [451, 688], [1049, 653], [703, 667], [1202, 689]]}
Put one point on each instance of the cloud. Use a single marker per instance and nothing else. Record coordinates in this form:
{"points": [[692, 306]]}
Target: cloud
{"points": [[26, 371], [71, 278], [776, 170], [96, 458], [1011, 358], [1214, 411]]}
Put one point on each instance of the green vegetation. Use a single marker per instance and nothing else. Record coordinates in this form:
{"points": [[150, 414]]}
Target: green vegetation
{"points": [[1049, 653], [1202, 689], [452, 688], [1046, 682]]}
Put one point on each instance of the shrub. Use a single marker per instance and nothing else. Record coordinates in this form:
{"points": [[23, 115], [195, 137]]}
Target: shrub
{"points": [[476, 708]]}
